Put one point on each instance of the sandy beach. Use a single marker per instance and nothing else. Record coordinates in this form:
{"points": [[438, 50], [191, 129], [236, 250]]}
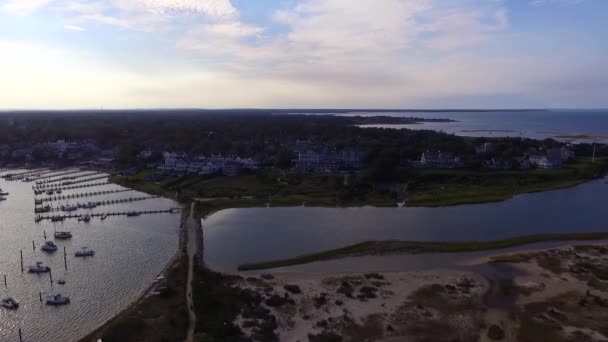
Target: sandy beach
{"points": [[553, 295]]}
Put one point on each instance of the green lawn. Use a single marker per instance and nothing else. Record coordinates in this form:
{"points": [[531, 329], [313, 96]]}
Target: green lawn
{"points": [[451, 187], [430, 188]]}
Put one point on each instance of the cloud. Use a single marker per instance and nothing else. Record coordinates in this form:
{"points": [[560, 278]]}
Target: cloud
{"points": [[73, 28], [462, 28], [25, 6]]}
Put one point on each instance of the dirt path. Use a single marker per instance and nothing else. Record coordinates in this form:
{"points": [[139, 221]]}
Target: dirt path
{"points": [[191, 227]]}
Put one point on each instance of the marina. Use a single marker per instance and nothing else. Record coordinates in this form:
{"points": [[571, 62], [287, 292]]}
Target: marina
{"points": [[51, 280]]}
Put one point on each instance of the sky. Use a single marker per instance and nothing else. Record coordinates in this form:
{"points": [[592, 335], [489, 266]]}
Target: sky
{"points": [[89, 54]]}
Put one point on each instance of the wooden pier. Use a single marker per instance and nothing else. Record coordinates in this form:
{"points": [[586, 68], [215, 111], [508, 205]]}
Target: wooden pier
{"points": [[66, 178], [17, 176], [55, 174], [50, 186], [75, 186], [40, 218], [81, 195], [103, 203]]}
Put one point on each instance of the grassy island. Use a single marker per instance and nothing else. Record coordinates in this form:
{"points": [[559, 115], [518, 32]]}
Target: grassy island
{"points": [[415, 247]]}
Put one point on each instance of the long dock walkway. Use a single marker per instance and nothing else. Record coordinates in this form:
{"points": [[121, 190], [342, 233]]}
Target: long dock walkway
{"points": [[66, 178], [104, 203], [68, 182], [77, 186], [81, 195], [40, 218]]}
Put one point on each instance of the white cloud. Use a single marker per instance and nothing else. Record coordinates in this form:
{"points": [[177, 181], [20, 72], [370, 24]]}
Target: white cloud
{"points": [[461, 28], [25, 6], [73, 28]]}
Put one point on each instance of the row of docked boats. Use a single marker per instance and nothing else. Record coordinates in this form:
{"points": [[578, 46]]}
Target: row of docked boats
{"points": [[50, 247], [3, 195], [54, 300], [48, 192]]}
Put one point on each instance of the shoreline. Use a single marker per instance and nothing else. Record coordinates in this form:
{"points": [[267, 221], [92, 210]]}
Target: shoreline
{"points": [[376, 248], [143, 294]]}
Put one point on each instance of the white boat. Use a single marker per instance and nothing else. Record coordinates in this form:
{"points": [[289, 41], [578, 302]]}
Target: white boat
{"points": [[59, 191], [39, 268], [9, 303], [84, 252], [49, 246], [69, 207], [86, 218], [3, 193], [50, 192], [63, 235], [57, 299]]}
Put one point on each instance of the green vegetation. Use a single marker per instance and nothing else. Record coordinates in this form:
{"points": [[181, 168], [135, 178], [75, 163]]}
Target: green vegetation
{"points": [[162, 318], [414, 247], [434, 188], [430, 188]]}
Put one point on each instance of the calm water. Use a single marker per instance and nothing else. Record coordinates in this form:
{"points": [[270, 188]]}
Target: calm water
{"points": [[237, 236], [130, 253], [533, 124]]}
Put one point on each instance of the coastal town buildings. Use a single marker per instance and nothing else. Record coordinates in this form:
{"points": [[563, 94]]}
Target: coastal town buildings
{"points": [[437, 160]]}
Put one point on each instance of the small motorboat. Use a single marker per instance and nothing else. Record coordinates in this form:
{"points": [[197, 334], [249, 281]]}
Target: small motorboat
{"points": [[61, 282], [89, 205], [57, 299], [9, 303], [63, 235], [2, 199], [50, 192], [85, 218], [39, 268], [59, 191], [45, 209], [3, 193], [69, 207], [49, 246], [84, 252], [57, 218], [132, 214]]}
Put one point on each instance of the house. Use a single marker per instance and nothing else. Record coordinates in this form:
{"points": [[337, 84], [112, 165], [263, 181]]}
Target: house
{"points": [[232, 168], [209, 169], [145, 154], [498, 164], [437, 160], [484, 148], [565, 153], [535, 160]]}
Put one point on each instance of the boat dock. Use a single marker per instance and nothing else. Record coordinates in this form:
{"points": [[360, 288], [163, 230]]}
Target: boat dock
{"points": [[84, 180], [40, 218], [81, 195], [16, 176], [62, 188], [102, 203], [65, 178], [54, 174]]}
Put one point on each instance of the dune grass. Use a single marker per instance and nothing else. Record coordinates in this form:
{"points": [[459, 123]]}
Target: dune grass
{"points": [[416, 247]]}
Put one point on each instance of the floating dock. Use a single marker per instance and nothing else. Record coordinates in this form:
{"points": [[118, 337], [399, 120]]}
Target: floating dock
{"points": [[40, 218], [81, 195]]}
